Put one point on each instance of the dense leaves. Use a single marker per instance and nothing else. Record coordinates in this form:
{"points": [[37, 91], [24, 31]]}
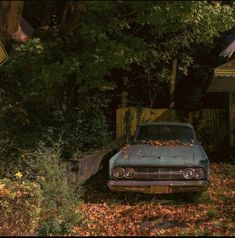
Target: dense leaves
{"points": [[170, 143], [40, 97], [58, 208], [117, 35], [51, 80], [20, 204], [59, 83]]}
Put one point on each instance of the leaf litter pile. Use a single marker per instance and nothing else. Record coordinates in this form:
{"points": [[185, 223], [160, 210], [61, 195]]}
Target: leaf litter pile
{"points": [[108, 213], [157, 143]]}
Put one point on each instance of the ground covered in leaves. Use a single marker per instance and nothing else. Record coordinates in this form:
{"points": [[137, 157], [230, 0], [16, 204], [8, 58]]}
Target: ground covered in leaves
{"points": [[107, 213]]}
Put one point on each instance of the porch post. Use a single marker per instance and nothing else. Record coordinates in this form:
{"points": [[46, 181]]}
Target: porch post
{"points": [[124, 99]]}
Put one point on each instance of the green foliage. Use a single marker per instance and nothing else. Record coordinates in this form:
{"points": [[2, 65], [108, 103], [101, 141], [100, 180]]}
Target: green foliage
{"points": [[199, 232], [41, 95], [54, 84], [11, 157], [227, 170], [213, 213], [202, 198], [85, 129], [149, 34], [60, 202], [46, 79], [20, 203], [117, 35]]}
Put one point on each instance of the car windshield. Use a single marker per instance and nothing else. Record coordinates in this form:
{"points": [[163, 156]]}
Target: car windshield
{"points": [[166, 133]]}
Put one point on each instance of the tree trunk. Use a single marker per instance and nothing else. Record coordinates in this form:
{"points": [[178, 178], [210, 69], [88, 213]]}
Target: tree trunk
{"points": [[124, 99], [10, 17], [172, 83], [172, 89]]}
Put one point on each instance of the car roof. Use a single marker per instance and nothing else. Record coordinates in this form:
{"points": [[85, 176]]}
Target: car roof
{"points": [[167, 123]]}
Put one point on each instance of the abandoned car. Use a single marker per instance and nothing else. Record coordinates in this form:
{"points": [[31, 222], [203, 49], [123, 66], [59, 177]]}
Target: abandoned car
{"points": [[165, 157]]}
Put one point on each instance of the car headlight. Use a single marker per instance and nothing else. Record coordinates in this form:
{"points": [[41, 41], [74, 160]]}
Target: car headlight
{"points": [[118, 172], [129, 173], [199, 173], [188, 173]]}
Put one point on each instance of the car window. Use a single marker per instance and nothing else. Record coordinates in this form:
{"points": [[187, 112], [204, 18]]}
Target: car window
{"points": [[166, 133]]}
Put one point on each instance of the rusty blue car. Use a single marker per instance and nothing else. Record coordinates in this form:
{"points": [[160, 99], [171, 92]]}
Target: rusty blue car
{"points": [[164, 157]]}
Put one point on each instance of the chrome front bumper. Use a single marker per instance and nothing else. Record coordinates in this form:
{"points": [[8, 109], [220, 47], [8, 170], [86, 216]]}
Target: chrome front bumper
{"points": [[159, 187]]}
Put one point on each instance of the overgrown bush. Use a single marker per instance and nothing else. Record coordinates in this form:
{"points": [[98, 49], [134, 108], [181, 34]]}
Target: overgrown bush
{"points": [[43, 185], [39, 94], [82, 129], [59, 211], [20, 203]]}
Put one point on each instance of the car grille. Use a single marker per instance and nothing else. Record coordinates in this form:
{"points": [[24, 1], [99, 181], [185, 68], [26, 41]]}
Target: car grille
{"points": [[157, 173]]}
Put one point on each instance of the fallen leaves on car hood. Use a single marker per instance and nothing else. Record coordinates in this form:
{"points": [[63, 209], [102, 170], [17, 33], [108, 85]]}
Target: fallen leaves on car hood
{"points": [[166, 143]]}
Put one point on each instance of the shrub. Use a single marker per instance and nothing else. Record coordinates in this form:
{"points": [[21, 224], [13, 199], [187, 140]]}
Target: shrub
{"points": [[60, 202], [19, 207], [213, 213], [199, 232], [83, 129], [37, 93]]}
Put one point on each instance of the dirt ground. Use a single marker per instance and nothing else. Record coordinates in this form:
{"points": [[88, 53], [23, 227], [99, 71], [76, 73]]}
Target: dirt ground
{"points": [[107, 213]]}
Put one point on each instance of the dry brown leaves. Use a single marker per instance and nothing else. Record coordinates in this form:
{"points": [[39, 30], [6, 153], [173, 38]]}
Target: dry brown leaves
{"points": [[3, 189], [167, 143], [157, 143], [105, 216], [126, 148]]}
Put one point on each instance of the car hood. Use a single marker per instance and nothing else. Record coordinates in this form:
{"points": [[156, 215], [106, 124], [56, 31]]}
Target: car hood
{"points": [[144, 154]]}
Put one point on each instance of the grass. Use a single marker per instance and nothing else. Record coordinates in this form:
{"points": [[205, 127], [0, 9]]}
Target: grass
{"points": [[203, 199], [200, 232], [213, 213]]}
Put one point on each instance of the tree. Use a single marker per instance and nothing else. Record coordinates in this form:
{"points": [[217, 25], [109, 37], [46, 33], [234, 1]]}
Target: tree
{"points": [[52, 74], [10, 17]]}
